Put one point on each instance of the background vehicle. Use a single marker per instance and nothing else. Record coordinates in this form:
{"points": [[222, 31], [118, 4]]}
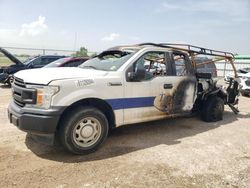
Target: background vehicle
{"points": [[114, 88], [202, 67], [156, 67], [67, 62], [241, 73], [245, 84], [151, 68], [36, 62], [41, 61]]}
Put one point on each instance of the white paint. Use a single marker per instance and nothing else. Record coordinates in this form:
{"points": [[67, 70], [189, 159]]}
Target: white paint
{"points": [[77, 84], [190, 97]]}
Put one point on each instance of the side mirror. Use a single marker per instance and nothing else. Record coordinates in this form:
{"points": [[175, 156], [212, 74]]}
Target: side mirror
{"points": [[131, 76], [139, 73]]}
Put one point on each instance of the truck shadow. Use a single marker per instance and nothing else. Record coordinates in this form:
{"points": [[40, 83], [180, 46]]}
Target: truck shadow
{"points": [[246, 96], [135, 137], [3, 86]]}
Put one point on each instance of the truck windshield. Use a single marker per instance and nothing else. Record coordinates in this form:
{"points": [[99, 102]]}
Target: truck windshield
{"points": [[108, 60]]}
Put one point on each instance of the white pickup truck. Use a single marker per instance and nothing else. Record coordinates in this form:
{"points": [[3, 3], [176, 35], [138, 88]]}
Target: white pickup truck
{"points": [[81, 105]]}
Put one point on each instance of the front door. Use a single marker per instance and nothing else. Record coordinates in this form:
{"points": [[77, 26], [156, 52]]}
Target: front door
{"points": [[140, 95]]}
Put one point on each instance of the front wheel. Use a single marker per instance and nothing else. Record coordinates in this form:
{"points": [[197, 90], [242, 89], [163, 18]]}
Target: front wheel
{"points": [[83, 130], [10, 80], [212, 109]]}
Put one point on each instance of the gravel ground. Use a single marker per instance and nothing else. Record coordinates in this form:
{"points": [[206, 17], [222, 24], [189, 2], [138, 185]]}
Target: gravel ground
{"points": [[183, 152]]}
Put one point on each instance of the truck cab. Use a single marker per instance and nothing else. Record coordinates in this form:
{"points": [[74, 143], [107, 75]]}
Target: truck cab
{"points": [[81, 105]]}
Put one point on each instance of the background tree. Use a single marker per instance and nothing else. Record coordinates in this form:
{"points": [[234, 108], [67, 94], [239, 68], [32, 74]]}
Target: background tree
{"points": [[93, 54], [83, 52]]}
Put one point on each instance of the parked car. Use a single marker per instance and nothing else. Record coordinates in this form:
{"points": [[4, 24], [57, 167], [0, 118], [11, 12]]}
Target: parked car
{"points": [[6, 72], [240, 72], [82, 104], [67, 62], [245, 84]]}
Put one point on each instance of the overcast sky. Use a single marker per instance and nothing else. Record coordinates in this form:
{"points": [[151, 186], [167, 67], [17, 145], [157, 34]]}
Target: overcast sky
{"points": [[218, 24]]}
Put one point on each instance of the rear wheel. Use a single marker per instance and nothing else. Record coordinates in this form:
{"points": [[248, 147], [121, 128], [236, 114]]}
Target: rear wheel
{"points": [[212, 109], [243, 93], [83, 130]]}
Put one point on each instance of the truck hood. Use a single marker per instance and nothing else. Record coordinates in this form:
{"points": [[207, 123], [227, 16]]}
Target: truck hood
{"points": [[45, 76], [10, 56]]}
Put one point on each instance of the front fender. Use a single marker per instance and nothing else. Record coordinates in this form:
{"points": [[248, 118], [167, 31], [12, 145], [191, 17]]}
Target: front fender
{"points": [[67, 98]]}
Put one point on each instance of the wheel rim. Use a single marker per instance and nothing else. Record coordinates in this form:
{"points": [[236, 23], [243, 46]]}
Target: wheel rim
{"points": [[217, 110], [87, 132], [11, 79]]}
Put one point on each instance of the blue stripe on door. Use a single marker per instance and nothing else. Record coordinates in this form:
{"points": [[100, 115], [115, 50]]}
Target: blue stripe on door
{"points": [[123, 103]]}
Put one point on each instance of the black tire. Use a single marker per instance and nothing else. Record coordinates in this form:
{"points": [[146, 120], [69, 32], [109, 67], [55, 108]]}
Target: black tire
{"points": [[78, 122], [10, 80], [212, 109], [243, 93]]}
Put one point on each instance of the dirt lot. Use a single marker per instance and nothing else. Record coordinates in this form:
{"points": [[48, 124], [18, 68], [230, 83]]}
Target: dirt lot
{"points": [[183, 152]]}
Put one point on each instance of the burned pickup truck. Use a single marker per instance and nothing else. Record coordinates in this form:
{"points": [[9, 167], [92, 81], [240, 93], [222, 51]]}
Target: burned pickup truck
{"points": [[81, 105]]}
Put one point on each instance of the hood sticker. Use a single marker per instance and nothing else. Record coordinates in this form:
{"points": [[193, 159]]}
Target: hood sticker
{"points": [[81, 83]]}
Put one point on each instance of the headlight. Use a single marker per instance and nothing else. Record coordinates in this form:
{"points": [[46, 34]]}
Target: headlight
{"points": [[44, 95]]}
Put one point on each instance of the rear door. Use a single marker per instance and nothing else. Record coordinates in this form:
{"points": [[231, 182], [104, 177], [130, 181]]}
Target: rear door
{"points": [[178, 91]]}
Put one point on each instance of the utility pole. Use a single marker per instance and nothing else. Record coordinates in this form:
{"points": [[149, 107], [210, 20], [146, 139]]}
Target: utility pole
{"points": [[75, 41]]}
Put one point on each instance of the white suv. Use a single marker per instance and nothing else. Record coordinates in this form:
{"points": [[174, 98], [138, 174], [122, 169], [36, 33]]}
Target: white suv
{"points": [[245, 84]]}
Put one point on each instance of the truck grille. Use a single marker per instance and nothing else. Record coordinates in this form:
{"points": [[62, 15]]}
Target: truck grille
{"points": [[19, 82], [21, 94], [247, 82], [21, 104]]}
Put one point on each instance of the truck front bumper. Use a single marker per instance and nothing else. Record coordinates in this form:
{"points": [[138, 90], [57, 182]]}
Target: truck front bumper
{"points": [[42, 123]]}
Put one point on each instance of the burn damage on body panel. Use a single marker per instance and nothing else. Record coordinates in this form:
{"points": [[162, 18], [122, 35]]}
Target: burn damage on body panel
{"points": [[177, 101]]}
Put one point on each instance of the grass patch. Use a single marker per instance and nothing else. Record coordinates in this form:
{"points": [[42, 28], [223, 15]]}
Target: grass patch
{"points": [[4, 61]]}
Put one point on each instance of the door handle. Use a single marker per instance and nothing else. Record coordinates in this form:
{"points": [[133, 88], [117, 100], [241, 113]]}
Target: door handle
{"points": [[168, 86]]}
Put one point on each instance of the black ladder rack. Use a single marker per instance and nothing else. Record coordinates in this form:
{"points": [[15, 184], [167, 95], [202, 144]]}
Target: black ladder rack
{"points": [[191, 49]]}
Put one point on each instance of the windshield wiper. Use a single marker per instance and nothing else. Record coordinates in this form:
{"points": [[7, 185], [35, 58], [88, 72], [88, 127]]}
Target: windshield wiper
{"points": [[89, 66]]}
